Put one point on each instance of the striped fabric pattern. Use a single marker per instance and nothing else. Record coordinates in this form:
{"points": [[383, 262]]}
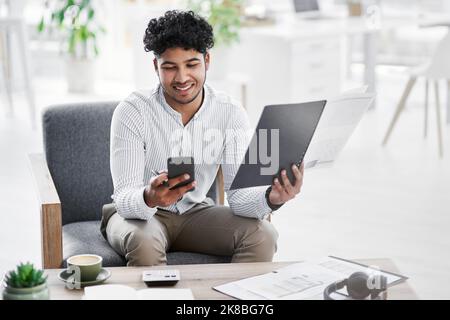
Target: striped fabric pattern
{"points": [[146, 131]]}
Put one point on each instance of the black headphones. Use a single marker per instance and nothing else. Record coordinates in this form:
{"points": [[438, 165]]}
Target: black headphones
{"points": [[360, 286]]}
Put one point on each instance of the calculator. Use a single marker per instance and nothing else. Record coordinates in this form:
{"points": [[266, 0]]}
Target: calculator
{"points": [[161, 277]]}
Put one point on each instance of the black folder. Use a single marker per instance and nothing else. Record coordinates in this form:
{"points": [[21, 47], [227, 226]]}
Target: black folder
{"points": [[295, 125]]}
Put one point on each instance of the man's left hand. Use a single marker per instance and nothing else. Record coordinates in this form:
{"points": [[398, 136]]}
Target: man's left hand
{"points": [[283, 193]]}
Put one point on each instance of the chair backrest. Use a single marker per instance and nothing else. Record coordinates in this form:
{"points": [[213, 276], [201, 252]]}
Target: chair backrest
{"points": [[439, 65], [76, 145]]}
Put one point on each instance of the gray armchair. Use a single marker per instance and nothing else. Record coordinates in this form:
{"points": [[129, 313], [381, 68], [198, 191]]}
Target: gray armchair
{"points": [[74, 182]]}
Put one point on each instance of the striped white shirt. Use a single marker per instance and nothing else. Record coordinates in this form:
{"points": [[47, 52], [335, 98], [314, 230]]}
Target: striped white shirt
{"points": [[146, 131]]}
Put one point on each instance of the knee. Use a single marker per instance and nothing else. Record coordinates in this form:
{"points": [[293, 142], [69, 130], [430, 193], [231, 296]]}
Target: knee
{"points": [[259, 242], [268, 236], [143, 249]]}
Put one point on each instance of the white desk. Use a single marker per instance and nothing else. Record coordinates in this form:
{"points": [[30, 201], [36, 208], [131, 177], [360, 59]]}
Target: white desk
{"points": [[301, 59], [284, 66]]}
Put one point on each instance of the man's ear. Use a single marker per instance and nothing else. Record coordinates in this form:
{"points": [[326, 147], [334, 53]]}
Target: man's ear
{"points": [[155, 65], [207, 59]]}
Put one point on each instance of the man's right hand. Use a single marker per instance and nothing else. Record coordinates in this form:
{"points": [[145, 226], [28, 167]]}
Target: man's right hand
{"points": [[158, 193]]}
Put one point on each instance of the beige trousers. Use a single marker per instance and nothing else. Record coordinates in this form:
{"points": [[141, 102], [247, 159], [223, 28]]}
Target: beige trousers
{"points": [[205, 228]]}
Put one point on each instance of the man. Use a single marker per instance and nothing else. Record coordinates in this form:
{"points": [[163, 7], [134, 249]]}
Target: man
{"points": [[147, 218]]}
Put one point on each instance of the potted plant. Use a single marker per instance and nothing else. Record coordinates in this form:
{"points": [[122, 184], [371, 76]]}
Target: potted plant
{"points": [[76, 22], [26, 283], [225, 18]]}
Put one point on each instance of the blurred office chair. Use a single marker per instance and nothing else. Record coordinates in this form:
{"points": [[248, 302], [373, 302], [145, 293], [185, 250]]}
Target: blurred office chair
{"points": [[74, 182], [15, 26], [436, 69]]}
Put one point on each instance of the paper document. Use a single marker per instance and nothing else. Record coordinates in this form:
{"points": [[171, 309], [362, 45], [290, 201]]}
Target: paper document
{"points": [[337, 123], [300, 281], [122, 292]]}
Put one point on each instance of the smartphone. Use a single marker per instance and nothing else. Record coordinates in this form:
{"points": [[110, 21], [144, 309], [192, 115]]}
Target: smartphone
{"points": [[177, 166]]}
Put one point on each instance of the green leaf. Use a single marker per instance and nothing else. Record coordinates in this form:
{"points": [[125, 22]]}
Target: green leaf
{"points": [[91, 14], [72, 41], [83, 34], [60, 17], [41, 25]]}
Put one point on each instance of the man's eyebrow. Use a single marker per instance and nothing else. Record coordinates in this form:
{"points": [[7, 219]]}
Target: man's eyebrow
{"points": [[192, 60], [186, 61], [167, 62]]}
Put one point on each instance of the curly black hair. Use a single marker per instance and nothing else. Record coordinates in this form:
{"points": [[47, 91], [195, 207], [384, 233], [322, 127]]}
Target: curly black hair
{"points": [[175, 28]]}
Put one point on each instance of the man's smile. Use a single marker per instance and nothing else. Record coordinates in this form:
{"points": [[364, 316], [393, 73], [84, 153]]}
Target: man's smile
{"points": [[183, 89]]}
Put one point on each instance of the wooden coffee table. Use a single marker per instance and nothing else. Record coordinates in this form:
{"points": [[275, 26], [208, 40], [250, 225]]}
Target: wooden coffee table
{"points": [[200, 278]]}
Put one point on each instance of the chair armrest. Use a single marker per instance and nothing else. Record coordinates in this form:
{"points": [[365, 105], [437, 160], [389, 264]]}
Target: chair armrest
{"points": [[51, 215]]}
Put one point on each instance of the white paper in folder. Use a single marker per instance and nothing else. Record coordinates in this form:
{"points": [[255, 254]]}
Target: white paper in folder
{"points": [[337, 123]]}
